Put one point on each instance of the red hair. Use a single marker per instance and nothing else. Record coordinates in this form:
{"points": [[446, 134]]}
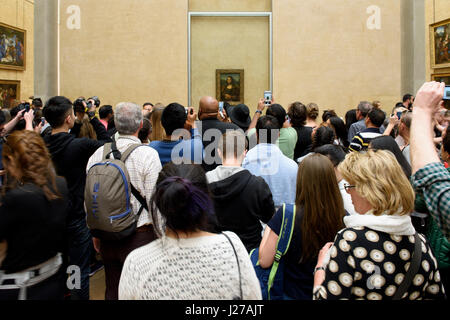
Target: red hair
{"points": [[26, 160]]}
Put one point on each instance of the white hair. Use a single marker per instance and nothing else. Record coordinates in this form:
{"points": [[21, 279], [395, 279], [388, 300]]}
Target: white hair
{"points": [[127, 118]]}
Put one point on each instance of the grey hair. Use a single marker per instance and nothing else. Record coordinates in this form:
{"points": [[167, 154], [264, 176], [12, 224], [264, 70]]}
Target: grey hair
{"points": [[127, 118], [364, 107]]}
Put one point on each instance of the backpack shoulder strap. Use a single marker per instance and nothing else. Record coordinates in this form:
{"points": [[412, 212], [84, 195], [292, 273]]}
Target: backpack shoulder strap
{"points": [[106, 150], [127, 152], [287, 228], [111, 148], [134, 191]]}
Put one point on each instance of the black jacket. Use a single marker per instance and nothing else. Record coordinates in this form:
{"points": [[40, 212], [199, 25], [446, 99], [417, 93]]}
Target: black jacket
{"points": [[70, 156], [240, 202], [213, 123], [32, 226]]}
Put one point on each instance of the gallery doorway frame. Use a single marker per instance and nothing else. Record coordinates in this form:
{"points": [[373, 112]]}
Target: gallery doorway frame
{"points": [[229, 14]]}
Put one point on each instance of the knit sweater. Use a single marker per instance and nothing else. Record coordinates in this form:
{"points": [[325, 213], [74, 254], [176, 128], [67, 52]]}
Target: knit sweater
{"points": [[201, 268]]}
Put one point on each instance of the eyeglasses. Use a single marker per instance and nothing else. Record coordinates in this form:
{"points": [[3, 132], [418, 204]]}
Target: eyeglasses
{"points": [[348, 186]]}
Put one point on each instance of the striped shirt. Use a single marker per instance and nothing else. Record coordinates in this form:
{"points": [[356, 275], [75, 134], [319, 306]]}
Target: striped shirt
{"points": [[143, 166], [361, 141], [356, 128]]}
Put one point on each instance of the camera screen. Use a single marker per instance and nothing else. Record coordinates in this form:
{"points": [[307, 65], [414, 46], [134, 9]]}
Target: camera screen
{"points": [[267, 97], [447, 93]]}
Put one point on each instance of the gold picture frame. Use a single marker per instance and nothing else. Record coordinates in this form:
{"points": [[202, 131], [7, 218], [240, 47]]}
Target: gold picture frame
{"points": [[9, 93], [12, 47], [441, 77], [230, 86], [440, 44]]}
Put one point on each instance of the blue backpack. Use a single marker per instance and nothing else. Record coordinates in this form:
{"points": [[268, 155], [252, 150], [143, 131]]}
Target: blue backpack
{"points": [[271, 279]]}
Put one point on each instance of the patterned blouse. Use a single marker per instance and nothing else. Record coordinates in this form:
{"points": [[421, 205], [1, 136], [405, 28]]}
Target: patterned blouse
{"points": [[370, 265]]}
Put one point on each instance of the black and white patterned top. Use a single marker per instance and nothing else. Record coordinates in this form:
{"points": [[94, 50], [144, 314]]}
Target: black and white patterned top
{"points": [[370, 265]]}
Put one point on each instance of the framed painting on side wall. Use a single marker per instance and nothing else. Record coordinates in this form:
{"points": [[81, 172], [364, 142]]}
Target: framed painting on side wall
{"points": [[440, 44], [9, 93], [230, 86], [441, 77], [12, 47]]}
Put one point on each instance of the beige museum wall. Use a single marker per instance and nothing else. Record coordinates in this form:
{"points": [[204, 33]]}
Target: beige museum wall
{"points": [[230, 43], [435, 11], [126, 50], [20, 14], [324, 53]]}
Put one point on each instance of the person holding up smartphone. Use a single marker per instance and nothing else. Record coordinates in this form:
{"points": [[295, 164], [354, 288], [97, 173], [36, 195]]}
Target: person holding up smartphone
{"points": [[262, 104]]}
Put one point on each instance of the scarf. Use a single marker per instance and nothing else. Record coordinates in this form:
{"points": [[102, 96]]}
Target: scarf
{"points": [[392, 224]]}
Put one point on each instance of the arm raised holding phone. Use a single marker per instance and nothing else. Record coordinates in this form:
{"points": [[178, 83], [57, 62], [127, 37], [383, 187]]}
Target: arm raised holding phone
{"points": [[262, 104]]}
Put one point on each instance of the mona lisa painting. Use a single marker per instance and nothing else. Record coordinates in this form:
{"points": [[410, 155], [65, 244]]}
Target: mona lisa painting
{"points": [[230, 85]]}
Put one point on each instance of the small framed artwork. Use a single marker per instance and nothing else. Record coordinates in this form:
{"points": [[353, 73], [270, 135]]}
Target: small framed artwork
{"points": [[230, 85], [440, 44], [9, 93], [441, 77], [12, 47]]}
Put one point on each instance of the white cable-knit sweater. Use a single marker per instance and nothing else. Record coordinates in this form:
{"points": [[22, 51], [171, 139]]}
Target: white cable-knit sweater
{"points": [[202, 268]]}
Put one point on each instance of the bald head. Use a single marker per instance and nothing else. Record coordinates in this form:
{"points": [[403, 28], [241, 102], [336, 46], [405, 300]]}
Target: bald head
{"points": [[208, 108]]}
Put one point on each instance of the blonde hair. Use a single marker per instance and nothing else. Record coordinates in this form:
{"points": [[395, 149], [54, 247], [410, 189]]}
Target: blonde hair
{"points": [[312, 110], [376, 104], [87, 130], [377, 177], [158, 132]]}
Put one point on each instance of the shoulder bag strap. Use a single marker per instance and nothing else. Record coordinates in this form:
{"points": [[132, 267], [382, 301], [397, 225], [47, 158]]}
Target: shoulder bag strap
{"points": [[284, 239], [239, 267], [287, 228], [413, 268]]}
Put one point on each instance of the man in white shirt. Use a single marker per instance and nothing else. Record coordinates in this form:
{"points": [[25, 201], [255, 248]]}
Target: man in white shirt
{"points": [[143, 166]]}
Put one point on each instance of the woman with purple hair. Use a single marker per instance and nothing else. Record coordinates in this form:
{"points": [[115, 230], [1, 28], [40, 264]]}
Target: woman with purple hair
{"points": [[187, 262]]}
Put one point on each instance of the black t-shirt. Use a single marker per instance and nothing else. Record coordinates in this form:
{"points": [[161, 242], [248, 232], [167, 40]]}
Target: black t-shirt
{"points": [[298, 277], [304, 141], [32, 226]]}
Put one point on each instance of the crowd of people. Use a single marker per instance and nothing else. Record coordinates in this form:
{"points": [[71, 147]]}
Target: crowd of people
{"points": [[171, 200]]}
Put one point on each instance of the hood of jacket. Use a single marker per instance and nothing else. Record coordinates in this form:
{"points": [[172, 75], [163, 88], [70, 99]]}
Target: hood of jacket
{"points": [[221, 173], [231, 186], [58, 142]]}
